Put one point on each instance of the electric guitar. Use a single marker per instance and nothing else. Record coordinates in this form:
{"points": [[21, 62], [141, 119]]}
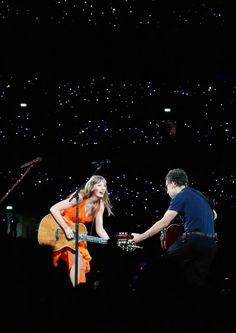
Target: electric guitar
{"points": [[51, 234], [170, 234]]}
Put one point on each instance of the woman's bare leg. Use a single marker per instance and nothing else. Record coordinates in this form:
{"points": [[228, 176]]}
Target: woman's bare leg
{"points": [[72, 271]]}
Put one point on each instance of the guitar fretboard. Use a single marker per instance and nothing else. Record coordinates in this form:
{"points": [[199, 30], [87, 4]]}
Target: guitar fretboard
{"points": [[92, 239]]}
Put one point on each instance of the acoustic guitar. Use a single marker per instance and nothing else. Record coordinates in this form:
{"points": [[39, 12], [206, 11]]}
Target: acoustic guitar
{"points": [[51, 234], [170, 234]]}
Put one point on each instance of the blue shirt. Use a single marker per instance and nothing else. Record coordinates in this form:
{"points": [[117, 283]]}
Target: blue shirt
{"points": [[195, 211]]}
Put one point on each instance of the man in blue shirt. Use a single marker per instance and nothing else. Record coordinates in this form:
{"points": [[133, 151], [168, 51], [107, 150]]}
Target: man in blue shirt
{"points": [[195, 249]]}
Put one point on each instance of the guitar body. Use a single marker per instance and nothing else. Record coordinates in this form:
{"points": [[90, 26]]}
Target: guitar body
{"points": [[51, 234], [170, 234]]}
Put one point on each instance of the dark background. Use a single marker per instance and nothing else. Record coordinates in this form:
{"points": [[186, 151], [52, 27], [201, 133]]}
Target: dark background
{"points": [[60, 57]]}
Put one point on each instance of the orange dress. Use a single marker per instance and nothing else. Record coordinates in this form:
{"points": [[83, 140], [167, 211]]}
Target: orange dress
{"points": [[69, 214]]}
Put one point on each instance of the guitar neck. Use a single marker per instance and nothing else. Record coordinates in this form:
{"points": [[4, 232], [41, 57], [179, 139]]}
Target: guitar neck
{"points": [[93, 239]]}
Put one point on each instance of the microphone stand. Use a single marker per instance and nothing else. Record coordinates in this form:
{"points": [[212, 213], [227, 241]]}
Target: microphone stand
{"points": [[16, 183], [76, 197]]}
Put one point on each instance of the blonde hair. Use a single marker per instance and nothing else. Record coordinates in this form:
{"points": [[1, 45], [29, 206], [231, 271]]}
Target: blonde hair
{"points": [[88, 189]]}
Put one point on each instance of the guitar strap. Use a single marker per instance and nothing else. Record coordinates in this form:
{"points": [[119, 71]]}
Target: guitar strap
{"points": [[93, 221], [92, 226]]}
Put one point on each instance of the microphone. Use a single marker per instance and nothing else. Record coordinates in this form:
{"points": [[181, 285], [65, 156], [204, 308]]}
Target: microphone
{"points": [[36, 160], [101, 162]]}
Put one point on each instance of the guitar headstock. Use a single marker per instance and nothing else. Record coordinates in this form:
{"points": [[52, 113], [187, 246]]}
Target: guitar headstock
{"points": [[124, 236], [124, 241]]}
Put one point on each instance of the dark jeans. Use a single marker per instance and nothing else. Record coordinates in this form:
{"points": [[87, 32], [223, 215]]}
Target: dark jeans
{"points": [[194, 254]]}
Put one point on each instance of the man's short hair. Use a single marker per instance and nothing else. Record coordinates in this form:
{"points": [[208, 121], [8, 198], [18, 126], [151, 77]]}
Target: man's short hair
{"points": [[178, 176]]}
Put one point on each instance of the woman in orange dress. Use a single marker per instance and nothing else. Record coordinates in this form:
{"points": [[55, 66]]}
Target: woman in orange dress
{"points": [[93, 199]]}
